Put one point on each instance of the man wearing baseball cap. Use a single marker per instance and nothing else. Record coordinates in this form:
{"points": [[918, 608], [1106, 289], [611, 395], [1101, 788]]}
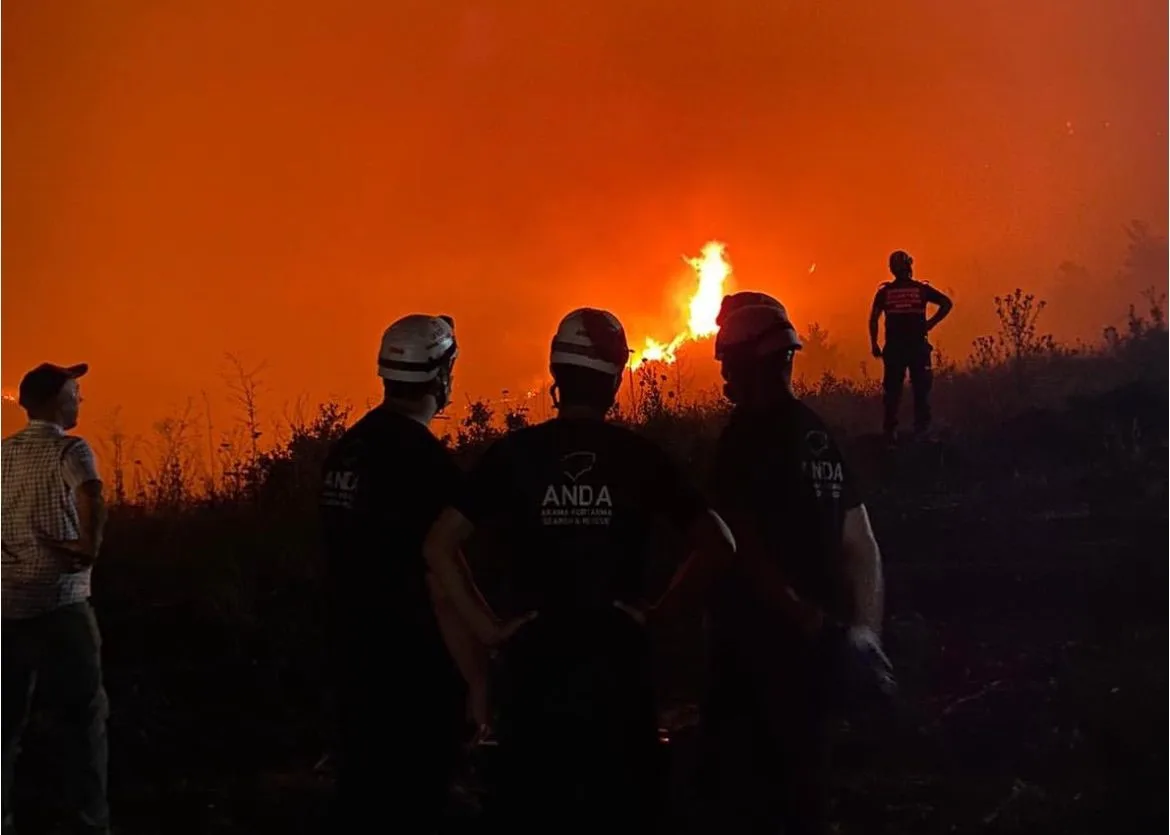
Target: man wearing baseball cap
{"points": [[53, 518]]}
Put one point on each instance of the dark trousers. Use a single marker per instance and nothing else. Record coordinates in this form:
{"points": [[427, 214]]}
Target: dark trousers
{"points": [[764, 748], [58, 655], [401, 742], [578, 735], [897, 361]]}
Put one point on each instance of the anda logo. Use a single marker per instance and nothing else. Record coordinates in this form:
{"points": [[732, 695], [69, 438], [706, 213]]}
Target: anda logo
{"points": [[817, 441], [827, 477], [825, 470], [576, 501], [576, 495], [341, 480], [340, 489], [577, 464]]}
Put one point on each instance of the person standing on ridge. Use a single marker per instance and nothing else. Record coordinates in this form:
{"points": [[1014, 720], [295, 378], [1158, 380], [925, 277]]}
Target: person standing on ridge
{"points": [[573, 501], [403, 662], [780, 667], [54, 517], [903, 301]]}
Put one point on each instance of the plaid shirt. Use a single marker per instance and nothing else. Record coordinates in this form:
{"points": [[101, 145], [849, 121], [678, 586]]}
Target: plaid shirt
{"points": [[42, 467]]}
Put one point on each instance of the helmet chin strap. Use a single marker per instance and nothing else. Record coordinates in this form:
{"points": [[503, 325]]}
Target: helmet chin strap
{"points": [[442, 392], [552, 392]]}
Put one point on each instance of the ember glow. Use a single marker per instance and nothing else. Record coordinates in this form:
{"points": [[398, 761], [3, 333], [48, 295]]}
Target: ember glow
{"points": [[712, 271]]}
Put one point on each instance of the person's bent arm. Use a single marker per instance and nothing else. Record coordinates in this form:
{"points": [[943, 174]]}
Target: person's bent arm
{"points": [[444, 556], [863, 569], [79, 470], [469, 654], [875, 312], [756, 570], [92, 515], [712, 549], [945, 305], [768, 581]]}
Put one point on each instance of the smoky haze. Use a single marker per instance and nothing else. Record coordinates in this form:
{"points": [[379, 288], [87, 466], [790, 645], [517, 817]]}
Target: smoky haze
{"points": [[283, 179]]}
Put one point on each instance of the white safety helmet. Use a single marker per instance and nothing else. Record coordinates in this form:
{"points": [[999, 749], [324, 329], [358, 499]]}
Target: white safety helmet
{"points": [[753, 325], [420, 349], [591, 338]]}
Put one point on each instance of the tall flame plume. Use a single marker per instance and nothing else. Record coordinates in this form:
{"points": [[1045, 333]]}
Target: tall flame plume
{"points": [[712, 271]]}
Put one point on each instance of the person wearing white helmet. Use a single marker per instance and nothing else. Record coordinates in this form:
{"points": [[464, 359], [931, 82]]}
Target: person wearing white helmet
{"points": [[397, 650], [574, 501], [792, 502]]}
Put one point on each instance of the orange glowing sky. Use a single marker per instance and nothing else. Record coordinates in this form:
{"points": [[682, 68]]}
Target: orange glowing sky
{"points": [[281, 179]]}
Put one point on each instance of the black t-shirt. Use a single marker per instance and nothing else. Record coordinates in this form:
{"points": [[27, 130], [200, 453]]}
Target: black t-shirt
{"points": [[904, 305], [574, 501], [782, 469], [385, 482]]}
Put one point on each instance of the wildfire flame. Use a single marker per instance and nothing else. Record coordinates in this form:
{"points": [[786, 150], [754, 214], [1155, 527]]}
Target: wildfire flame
{"points": [[8, 396], [712, 271]]}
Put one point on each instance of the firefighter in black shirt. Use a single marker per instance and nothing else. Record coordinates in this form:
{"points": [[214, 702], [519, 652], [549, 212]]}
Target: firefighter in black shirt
{"points": [[792, 504], [573, 500], [403, 662], [903, 301]]}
